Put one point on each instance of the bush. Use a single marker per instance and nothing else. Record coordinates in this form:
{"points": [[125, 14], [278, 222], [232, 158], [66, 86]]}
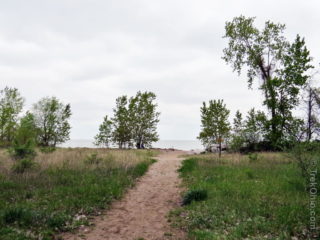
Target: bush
{"points": [[253, 157], [24, 141], [307, 156], [93, 159], [22, 150], [194, 195], [22, 165]]}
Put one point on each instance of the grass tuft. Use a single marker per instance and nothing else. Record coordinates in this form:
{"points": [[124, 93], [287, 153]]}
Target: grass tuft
{"points": [[194, 195]]}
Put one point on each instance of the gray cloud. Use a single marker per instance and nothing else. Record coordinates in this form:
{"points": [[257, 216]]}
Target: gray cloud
{"points": [[87, 53]]}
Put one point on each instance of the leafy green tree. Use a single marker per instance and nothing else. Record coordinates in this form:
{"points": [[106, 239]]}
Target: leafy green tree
{"points": [[24, 141], [11, 104], [122, 133], [51, 117], [282, 67], [215, 126], [144, 119], [237, 137], [254, 128], [104, 137]]}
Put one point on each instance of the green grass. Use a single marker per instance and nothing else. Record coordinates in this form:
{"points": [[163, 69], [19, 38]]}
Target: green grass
{"points": [[261, 199], [44, 201]]}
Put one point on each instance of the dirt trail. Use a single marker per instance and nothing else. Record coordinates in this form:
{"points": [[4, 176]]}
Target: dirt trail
{"points": [[141, 214]]}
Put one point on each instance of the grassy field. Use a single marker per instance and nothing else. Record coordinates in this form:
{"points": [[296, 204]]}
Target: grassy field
{"points": [[62, 189], [244, 197]]}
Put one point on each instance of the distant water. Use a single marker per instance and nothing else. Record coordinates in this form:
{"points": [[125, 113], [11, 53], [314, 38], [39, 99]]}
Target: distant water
{"points": [[176, 144]]}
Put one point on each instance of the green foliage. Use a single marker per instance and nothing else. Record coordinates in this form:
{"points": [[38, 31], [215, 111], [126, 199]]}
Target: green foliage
{"points": [[121, 123], [194, 195], [134, 122], [214, 123], [22, 165], [237, 137], [11, 104], [281, 65], [144, 119], [245, 200], [104, 136], [307, 156], [17, 214], [187, 166], [253, 157], [51, 117], [24, 141], [255, 127], [93, 159]]}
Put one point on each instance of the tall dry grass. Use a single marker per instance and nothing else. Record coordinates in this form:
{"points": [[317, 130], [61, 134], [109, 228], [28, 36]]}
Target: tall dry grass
{"points": [[237, 158], [76, 158]]}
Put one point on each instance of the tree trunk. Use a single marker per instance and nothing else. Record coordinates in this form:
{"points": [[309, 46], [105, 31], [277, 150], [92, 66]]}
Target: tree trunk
{"points": [[309, 127], [220, 149]]}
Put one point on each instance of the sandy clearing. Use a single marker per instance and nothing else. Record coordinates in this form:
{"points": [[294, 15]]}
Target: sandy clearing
{"points": [[141, 214]]}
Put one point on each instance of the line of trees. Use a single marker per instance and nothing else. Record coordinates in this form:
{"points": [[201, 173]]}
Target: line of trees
{"points": [[45, 125], [134, 123], [282, 68]]}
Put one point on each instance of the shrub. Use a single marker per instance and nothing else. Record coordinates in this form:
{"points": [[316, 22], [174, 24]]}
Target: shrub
{"points": [[93, 159], [194, 195], [307, 156], [24, 141], [253, 157], [22, 165], [22, 150]]}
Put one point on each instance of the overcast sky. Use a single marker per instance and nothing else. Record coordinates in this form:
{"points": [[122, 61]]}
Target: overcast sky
{"points": [[87, 53]]}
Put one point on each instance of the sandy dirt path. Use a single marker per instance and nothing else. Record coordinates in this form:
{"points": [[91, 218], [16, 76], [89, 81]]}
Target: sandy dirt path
{"points": [[141, 214]]}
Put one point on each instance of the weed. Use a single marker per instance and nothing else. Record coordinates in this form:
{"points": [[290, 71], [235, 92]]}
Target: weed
{"points": [[249, 174], [22, 165], [194, 195], [93, 159], [253, 157]]}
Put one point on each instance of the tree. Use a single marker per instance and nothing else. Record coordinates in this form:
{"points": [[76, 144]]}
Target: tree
{"points": [[214, 123], [144, 119], [104, 137], [24, 141], [281, 66], [313, 110], [237, 137], [51, 117], [11, 104], [122, 133], [254, 128]]}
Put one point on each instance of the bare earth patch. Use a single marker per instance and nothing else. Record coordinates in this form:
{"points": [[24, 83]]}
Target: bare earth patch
{"points": [[141, 214]]}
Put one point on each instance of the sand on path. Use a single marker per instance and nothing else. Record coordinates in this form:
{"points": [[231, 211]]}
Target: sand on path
{"points": [[142, 212]]}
